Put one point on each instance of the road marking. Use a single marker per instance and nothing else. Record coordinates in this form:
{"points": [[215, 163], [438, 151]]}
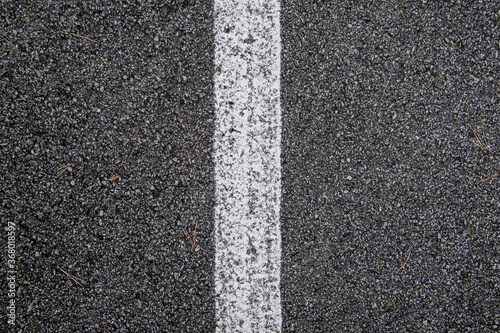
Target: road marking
{"points": [[247, 165]]}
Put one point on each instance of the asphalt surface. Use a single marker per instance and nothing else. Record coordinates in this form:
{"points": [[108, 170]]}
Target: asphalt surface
{"points": [[131, 105], [385, 225], [379, 104]]}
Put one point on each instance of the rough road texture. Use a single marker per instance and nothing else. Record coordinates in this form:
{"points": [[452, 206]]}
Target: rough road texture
{"points": [[379, 104], [133, 104]]}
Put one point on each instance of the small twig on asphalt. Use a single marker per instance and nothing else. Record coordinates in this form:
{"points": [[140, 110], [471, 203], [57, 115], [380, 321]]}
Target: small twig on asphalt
{"points": [[186, 233], [64, 168], [403, 265], [264, 292], [72, 277], [192, 241], [192, 149], [184, 173], [490, 177], [481, 141], [12, 45], [72, 34], [112, 179], [106, 328]]}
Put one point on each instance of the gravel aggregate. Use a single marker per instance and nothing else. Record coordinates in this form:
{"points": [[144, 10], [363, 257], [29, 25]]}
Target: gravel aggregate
{"points": [[380, 100], [385, 225], [131, 104]]}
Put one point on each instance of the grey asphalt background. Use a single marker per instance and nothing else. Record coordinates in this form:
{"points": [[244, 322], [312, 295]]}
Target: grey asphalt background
{"points": [[378, 110], [133, 104], [378, 113]]}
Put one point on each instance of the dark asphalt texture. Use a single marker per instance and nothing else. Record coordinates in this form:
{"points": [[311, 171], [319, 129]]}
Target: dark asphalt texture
{"points": [[133, 104], [379, 102], [378, 113]]}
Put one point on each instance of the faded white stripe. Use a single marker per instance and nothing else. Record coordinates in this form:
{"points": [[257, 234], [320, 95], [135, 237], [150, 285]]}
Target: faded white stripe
{"points": [[247, 165]]}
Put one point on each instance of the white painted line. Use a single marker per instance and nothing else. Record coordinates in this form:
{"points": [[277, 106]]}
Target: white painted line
{"points": [[247, 165]]}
